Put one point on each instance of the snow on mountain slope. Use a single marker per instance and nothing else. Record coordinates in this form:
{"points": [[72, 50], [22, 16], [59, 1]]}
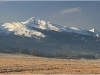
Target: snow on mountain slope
{"points": [[3, 30], [37, 23], [95, 32], [76, 30], [20, 29], [25, 28]]}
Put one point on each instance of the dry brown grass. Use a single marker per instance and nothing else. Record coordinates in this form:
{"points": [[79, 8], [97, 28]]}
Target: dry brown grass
{"points": [[25, 64]]}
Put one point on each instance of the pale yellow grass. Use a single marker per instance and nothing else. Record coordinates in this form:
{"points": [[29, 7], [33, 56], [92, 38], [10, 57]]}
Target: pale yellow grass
{"points": [[26, 64]]}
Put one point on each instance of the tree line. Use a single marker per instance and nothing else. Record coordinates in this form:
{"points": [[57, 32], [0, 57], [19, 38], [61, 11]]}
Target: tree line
{"points": [[55, 54]]}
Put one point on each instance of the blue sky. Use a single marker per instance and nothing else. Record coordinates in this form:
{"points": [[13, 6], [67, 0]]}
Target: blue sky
{"points": [[80, 14]]}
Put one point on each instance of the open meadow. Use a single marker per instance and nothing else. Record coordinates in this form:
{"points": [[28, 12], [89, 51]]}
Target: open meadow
{"points": [[27, 64]]}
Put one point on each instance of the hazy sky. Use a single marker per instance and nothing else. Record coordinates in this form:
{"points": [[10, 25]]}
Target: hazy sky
{"points": [[80, 14]]}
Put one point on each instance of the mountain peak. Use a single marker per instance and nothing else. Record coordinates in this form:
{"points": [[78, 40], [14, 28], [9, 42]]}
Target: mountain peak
{"points": [[94, 31], [34, 20]]}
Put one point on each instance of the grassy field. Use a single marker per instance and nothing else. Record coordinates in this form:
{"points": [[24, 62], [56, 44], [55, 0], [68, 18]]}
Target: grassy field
{"points": [[27, 64]]}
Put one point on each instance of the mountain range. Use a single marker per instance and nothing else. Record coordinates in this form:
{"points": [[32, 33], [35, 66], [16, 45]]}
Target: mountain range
{"points": [[47, 36], [26, 28]]}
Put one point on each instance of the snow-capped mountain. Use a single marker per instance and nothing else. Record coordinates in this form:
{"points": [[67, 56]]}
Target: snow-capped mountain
{"points": [[42, 35], [26, 28]]}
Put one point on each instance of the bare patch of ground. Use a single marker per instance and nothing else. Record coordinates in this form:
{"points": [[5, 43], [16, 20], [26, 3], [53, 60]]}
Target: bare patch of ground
{"points": [[27, 64]]}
